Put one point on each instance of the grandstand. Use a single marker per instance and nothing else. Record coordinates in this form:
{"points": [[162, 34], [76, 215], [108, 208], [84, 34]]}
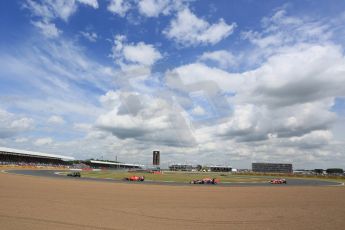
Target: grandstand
{"points": [[97, 164], [10, 156]]}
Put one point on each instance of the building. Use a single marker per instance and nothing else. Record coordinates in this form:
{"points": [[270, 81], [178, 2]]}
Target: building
{"points": [[96, 164], [181, 167], [272, 167], [219, 168], [189, 167], [23, 157]]}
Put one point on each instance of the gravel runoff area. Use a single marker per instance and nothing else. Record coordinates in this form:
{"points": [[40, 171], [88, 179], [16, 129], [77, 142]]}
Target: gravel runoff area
{"points": [[30, 202]]}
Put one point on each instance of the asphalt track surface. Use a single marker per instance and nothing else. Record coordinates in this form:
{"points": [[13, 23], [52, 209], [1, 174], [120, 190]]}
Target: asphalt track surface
{"points": [[290, 181]]}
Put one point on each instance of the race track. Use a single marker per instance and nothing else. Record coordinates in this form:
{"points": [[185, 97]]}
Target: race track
{"points": [[290, 181], [42, 200]]}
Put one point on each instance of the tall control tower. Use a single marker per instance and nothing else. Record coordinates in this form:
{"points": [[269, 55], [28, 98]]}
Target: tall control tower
{"points": [[156, 158]]}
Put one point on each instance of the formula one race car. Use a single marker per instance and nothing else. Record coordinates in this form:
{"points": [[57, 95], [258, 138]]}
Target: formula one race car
{"points": [[205, 181], [278, 181], [134, 178], [74, 174]]}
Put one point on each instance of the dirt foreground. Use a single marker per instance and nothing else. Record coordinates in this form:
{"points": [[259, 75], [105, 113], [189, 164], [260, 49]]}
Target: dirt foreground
{"points": [[28, 202]]}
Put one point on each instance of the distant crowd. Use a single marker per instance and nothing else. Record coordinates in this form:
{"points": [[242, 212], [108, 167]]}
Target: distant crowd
{"points": [[32, 164]]}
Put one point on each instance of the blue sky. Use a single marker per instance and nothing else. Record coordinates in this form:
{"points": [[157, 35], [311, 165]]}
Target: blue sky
{"points": [[206, 82]]}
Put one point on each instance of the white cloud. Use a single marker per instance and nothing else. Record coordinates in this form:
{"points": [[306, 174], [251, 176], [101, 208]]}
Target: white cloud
{"points": [[189, 30], [21, 140], [287, 78], [140, 53], [306, 73], [92, 3], [147, 8], [224, 58], [49, 10], [57, 70], [73, 64], [198, 111], [313, 139], [147, 119], [110, 100], [56, 120], [12, 125], [251, 122], [91, 36], [82, 126], [283, 106], [243, 120], [22, 123], [43, 141], [281, 31], [48, 29], [152, 8], [197, 75], [119, 7]]}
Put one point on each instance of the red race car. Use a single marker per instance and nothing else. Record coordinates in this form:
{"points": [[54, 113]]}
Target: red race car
{"points": [[205, 181], [134, 178], [278, 181]]}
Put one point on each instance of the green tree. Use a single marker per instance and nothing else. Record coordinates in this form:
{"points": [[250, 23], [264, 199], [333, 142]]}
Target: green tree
{"points": [[318, 171], [335, 171]]}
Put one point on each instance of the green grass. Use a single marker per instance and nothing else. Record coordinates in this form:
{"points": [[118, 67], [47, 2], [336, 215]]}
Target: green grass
{"points": [[175, 176], [188, 176], [340, 179]]}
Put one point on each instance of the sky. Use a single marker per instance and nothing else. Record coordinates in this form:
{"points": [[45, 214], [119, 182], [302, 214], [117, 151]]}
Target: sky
{"points": [[220, 82]]}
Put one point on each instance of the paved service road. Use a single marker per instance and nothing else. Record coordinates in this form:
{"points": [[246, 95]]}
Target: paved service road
{"points": [[290, 181]]}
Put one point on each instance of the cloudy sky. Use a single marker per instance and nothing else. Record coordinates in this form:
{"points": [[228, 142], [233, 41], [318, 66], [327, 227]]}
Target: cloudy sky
{"points": [[209, 82]]}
